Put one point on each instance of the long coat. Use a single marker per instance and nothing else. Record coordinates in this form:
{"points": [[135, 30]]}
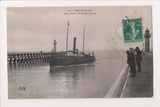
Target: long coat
{"points": [[138, 57]]}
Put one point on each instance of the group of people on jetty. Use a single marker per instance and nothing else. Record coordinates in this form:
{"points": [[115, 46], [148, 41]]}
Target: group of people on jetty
{"points": [[134, 59]]}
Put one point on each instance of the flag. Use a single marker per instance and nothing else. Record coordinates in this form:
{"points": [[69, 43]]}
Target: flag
{"points": [[68, 23]]}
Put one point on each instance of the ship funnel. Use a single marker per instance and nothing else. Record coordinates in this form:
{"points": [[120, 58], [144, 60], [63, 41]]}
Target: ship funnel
{"points": [[74, 44]]}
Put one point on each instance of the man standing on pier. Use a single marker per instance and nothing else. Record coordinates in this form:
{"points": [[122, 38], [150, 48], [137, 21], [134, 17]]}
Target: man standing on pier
{"points": [[131, 62], [138, 58]]}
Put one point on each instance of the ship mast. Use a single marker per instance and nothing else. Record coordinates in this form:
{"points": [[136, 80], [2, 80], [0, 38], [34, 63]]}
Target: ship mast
{"points": [[67, 37], [83, 38]]}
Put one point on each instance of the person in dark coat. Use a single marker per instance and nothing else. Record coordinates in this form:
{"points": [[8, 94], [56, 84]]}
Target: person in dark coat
{"points": [[127, 52], [131, 62], [138, 58]]}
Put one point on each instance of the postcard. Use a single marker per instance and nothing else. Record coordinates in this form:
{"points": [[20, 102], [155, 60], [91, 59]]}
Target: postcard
{"points": [[79, 52]]}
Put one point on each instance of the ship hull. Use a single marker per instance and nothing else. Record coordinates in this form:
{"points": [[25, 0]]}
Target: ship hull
{"points": [[70, 60]]}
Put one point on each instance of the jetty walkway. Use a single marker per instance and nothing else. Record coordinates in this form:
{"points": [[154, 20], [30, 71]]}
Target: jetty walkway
{"points": [[142, 84]]}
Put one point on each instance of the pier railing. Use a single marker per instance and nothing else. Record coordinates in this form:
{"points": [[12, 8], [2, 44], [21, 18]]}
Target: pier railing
{"points": [[117, 88]]}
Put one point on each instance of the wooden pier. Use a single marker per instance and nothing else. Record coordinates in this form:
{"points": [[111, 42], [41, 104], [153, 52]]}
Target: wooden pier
{"points": [[28, 57]]}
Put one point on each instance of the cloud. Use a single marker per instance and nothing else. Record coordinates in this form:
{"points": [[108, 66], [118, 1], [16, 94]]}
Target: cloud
{"points": [[34, 28]]}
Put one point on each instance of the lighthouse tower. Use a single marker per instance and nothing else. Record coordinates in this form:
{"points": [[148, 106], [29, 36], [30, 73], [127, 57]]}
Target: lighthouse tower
{"points": [[54, 46], [147, 36]]}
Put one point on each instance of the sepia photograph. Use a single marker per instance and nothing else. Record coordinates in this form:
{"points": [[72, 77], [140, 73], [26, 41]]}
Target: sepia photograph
{"points": [[79, 52]]}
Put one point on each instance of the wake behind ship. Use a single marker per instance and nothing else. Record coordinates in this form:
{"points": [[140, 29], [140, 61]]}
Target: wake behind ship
{"points": [[70, 57]]}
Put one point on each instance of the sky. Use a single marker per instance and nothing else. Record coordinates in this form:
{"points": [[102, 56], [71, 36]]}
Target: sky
{"points": [[35, 28]]}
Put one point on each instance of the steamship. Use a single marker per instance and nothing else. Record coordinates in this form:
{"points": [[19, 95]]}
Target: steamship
{"points": [[71, 57]]}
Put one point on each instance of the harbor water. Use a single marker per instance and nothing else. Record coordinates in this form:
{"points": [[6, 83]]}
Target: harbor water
{"points": [[89, 80]]}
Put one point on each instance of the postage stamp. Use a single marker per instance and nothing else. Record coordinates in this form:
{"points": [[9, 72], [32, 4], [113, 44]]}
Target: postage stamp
{"points": [[132, 30]]}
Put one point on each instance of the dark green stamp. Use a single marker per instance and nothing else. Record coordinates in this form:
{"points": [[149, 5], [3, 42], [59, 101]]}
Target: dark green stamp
{"points": [[132, 30]]}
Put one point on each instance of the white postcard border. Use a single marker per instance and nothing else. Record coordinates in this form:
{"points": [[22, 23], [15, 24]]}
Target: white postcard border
{"points": [[111, 102]]}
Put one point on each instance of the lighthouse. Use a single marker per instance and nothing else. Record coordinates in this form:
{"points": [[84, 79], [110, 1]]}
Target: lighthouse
{"points": [[147, 36], [54, 46]]}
